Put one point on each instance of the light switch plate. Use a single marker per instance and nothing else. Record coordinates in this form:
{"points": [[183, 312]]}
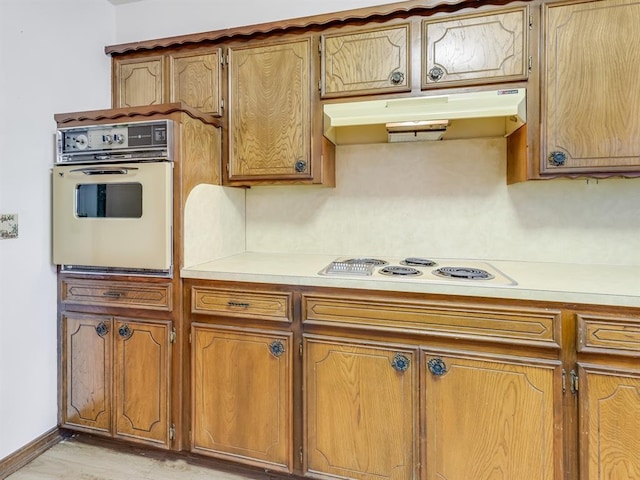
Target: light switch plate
{"points": [[8, 225]]}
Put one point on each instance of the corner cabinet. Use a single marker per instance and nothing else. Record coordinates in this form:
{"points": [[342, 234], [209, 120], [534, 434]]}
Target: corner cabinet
{"points": [[481, 48], [591, 108], [274, 116]]}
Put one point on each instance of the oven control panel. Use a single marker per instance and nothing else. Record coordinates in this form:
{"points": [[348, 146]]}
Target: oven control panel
{"points": [[114, 142]]}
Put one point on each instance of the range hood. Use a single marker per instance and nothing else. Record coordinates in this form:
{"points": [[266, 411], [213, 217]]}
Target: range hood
{"points": [[456, 115]]}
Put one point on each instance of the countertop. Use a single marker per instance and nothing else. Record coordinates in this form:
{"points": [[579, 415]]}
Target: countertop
{"points": [[556, 282]]}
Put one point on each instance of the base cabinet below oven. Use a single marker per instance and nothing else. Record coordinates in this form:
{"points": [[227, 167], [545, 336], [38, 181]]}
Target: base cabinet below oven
{"points": [[115, 377]]}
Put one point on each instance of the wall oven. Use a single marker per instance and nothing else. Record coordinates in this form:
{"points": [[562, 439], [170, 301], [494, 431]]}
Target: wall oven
{"points": [[112, 198]]}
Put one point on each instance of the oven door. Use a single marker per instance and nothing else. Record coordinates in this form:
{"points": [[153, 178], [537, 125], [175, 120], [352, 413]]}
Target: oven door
{"points": [[113, 216]]}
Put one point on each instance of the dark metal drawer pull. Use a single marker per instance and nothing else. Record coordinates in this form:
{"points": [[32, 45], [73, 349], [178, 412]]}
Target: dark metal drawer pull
{"points": [[238, 304], [113, 294]]}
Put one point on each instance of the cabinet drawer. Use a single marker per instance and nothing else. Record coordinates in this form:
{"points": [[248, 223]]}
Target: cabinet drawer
{"points": [[613, 335], [522, 326], [246, 304], [121, 294]]}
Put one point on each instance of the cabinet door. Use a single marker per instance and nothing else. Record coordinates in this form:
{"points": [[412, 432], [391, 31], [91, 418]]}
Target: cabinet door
{"points": [[609, 423], [138, 81], [270, 112], [195, 80], [590, 105], [476, 49], [141, 374], [370, 61], [360, 410], [492, 419], [86, 372], [242, 396]]}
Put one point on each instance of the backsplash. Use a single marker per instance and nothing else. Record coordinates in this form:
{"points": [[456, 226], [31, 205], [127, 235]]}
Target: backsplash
{"points": [[447, 199]]}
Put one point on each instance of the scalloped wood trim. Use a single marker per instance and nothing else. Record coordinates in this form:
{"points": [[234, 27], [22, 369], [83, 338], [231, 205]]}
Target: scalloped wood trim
{"points": [[145, 111], [381, 12]]}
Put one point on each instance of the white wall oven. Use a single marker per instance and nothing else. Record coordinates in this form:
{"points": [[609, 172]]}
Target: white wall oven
{"points": [[112, 198]]}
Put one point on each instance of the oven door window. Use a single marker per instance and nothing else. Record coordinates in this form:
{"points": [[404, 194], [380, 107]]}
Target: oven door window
{"points": [[109, 200]]}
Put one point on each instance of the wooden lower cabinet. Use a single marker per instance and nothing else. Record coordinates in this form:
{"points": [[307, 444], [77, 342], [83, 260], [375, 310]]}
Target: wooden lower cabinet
{"points": [[490, 418], [609, 403], [360, 410], [241, 383], [115, 377]]}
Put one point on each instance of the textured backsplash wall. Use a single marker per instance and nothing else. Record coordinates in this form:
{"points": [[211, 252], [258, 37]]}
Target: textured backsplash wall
{"points": [[447, 199]]}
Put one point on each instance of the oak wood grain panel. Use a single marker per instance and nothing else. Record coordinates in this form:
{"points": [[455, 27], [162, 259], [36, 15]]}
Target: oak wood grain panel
{"points": [[493, 418], [242, 397], [86, 373], [142, 359], [609, 403], [196, 79], [270, 110], [611, 335], [482, 47], [525, 326], [124, 294], [360, 413], [265, 305], [139, 81], [590, 113], [365, 61]]}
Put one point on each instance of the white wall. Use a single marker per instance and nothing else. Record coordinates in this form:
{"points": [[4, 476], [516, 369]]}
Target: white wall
{"points": [[52, 60]]}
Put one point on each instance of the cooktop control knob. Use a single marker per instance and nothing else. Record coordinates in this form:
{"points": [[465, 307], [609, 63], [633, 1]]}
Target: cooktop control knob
{"points": [[82, 142], [107, 139], [118, 138]]}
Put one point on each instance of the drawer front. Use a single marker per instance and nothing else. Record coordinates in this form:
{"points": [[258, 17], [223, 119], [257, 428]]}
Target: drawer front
{"points": [[274, 306], [522, 326], [120, 294], [617, 336]]}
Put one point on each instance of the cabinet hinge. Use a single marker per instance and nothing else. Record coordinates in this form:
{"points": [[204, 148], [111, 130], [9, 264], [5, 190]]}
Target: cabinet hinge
{"points": [[300, 348], [300, 455], [172, 336], [222, 104], [530, 63], [531, 21], [320, 48], [564, 380], [574, 382], [189, 338], [320, 85], [172, 432]]}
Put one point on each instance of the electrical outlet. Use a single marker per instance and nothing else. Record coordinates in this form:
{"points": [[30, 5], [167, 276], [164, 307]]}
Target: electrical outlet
{"points": [[8, 225]]}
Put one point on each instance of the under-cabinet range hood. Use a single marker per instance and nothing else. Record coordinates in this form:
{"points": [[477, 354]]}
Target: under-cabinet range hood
{"points": [[456, 115]]}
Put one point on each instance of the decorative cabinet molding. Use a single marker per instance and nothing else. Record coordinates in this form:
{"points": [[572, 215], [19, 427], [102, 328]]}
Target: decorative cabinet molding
{"points": [[366, 61], [196, 79], [481, 48], [115, 377], [360, 410], [138, 81], [591, 120]]}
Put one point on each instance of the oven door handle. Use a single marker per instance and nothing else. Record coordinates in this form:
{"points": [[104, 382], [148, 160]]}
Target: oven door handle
{"points": [[104, 171]]}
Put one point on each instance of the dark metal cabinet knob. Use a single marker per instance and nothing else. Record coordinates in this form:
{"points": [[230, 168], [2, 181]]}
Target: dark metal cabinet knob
{"points": [[400, 362], [102, 329], [276, 348], [397, 78], [557, 159], [301, 166], [436, 73], [437, 367], [124, 331]]}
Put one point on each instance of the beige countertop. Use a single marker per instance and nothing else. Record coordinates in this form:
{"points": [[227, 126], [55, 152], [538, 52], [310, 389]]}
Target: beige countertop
{"points": [[556, 282]]}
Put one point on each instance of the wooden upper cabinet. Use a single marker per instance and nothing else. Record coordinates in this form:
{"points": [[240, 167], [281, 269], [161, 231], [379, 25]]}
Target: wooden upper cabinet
{"points": [[138, 81], [590, 103], [609, 402], [366, 61], [490, 418], [475, 49], [195, 78], [270, 114]]}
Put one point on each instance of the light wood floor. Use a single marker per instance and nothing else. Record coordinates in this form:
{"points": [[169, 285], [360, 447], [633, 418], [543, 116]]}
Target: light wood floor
{"points": [[75, 460]]}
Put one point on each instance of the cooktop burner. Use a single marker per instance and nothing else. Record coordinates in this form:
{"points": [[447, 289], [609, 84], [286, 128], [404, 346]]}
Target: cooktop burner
{"points": [[463, 272], [400, 271], [418, 262], [367, 261]]}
